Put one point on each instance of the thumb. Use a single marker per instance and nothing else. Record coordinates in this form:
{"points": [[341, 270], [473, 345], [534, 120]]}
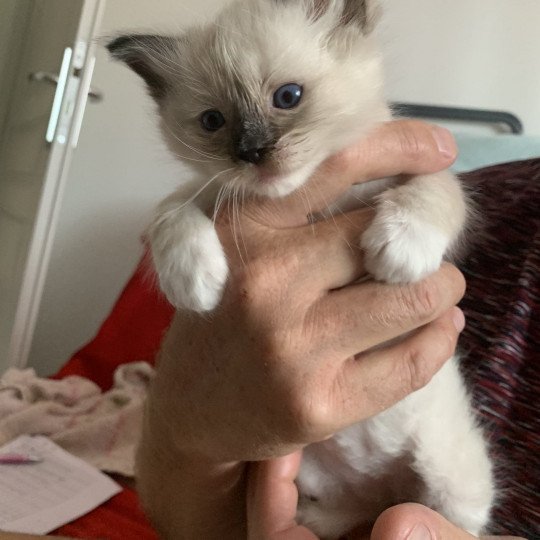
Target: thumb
{"points": [[393, 148], [272, 500], [417, 522]]}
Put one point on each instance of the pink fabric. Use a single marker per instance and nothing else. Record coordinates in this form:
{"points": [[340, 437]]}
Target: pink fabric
{"points": [[103, 428]]}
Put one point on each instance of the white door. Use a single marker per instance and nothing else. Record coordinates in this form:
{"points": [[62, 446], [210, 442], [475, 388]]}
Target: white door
{"points": [[46, 63]]}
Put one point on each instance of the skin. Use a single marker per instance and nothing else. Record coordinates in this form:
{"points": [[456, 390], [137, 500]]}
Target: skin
{"points": [[272, 498], [285, 359]]}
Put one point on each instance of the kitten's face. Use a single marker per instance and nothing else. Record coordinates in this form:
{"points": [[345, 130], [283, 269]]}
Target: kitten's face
{"points": [[267, 92]]}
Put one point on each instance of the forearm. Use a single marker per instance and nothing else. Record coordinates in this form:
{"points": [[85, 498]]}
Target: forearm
{"points": [[188, 491], [191, 497]]}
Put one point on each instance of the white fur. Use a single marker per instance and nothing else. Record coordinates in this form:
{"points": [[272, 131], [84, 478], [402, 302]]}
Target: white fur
{"points": [[427, 448], [433, 433], [400, 248], [188, 256]]}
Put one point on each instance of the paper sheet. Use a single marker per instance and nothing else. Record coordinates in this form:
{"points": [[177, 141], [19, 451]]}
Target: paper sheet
{"points": [[39, 497]]}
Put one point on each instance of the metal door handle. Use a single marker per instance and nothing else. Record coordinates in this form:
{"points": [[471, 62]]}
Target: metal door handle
{"points": [[43, 76]]}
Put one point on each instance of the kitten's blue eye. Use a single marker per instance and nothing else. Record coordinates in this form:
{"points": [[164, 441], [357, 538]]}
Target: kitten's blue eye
{"points": [[288, 96], [212, 120]]}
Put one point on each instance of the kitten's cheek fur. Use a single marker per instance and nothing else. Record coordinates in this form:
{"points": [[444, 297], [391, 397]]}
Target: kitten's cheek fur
{"points": [[189, 259]]}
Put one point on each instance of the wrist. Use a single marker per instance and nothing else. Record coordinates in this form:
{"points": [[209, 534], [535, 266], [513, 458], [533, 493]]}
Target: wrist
{"points": [[194, 495]]}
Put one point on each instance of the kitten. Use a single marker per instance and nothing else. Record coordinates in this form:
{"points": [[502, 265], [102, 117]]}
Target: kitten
{"points": [[256, 101]]}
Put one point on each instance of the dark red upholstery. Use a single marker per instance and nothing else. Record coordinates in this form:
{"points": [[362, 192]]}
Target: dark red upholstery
{"points": [[501, 343]]}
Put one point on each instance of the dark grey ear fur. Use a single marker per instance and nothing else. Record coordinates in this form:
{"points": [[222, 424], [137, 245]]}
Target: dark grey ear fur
{"points": [[363, 13], [147, 55]]}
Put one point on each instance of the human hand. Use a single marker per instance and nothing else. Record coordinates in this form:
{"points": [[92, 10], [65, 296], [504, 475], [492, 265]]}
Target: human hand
{"points": [[272, 499], [277, 365], [288, 357]]}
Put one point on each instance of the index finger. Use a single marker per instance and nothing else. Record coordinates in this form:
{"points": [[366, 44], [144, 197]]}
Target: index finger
{"points": [[394, 148]]}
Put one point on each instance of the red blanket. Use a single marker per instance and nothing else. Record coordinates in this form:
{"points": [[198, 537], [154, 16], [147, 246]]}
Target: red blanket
{"points": [[132, 332], [501, 342]]}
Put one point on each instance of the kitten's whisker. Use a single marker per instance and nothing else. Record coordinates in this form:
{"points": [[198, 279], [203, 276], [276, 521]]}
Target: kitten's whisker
{"points": [[176, 137], [243, 203], [240, 203], [219, 201], [327, 205], [203, 154], [206, 154], [234, 217], [200, 190], [177, 154], [231, 218], [309, 210], [364, 201]]}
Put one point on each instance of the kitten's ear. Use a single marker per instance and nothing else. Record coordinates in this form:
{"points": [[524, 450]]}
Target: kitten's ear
{"points": [[362, 13], [152, 57]]}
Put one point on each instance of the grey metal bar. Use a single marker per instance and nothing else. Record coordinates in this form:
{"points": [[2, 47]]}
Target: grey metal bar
{"points": [[456, 113]]}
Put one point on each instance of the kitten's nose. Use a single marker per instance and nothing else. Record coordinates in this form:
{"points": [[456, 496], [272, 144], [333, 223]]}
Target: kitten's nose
{"points": [[253, 155]]}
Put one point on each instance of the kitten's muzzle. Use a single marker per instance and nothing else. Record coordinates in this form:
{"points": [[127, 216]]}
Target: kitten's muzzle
{"points": [[253, 141], [253, 155]]}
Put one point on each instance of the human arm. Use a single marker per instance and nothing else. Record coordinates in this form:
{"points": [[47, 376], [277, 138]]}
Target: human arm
{"points": [[276, 366]]}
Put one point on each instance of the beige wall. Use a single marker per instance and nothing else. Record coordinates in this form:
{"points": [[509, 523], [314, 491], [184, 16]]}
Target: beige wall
{"points": [[471, 53], [464, 52], [13, 21]]}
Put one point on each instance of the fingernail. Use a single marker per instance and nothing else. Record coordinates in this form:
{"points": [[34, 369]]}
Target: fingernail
{"points": [[420, 532], [459, 319], [445, 142]]}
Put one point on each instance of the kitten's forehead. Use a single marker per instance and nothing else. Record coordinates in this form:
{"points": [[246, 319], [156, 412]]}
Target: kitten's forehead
{"points": [[251, 47], [219, 70]]}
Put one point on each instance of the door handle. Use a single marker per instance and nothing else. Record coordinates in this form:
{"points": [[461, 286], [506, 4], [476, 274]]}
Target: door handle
{"points": [[43, 76]]}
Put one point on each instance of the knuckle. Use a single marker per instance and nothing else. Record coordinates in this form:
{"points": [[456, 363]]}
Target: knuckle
{"points": [[343, 161], [349, 159], [417, 373], [412, 145], [424, 358], [447, 341], [421, 300], [309, 417]]}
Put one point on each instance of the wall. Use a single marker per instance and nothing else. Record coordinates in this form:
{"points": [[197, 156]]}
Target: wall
{"points": [[471, 53], [477, 53], [13, 21]]}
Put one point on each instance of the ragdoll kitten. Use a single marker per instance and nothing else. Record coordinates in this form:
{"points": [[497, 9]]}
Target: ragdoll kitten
{"points": [[257, 100]]}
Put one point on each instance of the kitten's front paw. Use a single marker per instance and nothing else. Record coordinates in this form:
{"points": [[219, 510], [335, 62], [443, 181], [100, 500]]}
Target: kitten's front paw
{"points": [[193, 272], [398, 248]]}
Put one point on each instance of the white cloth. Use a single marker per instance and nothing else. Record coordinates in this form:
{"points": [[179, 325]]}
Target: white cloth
{"points": [[103, 428]]}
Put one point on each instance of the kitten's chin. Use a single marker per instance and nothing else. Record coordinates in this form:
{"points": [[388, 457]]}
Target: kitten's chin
{"points": [[274, 185]]}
